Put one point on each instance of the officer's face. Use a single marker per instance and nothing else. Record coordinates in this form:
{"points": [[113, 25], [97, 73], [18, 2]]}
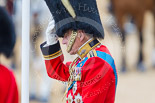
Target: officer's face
{"points": [[80, 39], [66, 39]]}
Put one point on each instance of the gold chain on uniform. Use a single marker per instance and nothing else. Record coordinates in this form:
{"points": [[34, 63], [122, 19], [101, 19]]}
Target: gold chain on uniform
{"points": [[70, 79]]}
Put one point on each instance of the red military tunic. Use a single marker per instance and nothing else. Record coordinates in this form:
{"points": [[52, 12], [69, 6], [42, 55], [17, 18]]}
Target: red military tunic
{"points": [[94, 72], [8, 86]]}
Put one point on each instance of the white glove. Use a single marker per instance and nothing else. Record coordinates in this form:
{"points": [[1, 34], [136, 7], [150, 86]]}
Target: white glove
{"points": [[51, 36]]}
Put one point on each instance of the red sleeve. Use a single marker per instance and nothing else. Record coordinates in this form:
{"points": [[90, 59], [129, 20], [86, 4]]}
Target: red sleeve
{"points": [[54, 62], [98, 81], [13, 92], [8, 86], [68, 64]]}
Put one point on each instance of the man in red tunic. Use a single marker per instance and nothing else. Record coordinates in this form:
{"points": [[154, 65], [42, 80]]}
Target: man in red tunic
{"points": [[92, 76], [8, 86]]}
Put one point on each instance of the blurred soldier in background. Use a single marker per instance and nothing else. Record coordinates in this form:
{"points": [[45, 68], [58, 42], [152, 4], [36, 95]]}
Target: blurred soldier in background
{"points": [[8, 86]]}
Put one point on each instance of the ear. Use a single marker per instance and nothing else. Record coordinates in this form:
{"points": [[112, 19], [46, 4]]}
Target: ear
{"points": [[81, 35]]}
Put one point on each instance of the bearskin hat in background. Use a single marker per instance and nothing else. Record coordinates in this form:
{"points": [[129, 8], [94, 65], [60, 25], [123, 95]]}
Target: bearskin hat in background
{"points": [[7, 33]]}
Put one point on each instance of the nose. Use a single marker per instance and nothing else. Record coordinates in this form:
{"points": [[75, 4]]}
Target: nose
{"points": [[64, 41]]}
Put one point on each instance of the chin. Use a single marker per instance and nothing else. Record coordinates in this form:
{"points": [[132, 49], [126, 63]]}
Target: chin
{"points": [[72, 53]]}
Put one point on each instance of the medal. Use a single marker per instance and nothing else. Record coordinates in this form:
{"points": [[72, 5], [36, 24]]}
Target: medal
{"points": [[78, 99], [70, 98], [71, 77]]}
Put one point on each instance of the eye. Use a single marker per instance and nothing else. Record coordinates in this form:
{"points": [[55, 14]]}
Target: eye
{"points": [[65, 36]]}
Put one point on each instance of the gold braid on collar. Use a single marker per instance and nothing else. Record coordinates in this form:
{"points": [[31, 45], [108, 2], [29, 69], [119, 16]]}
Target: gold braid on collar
{"points": [[87, 47]]}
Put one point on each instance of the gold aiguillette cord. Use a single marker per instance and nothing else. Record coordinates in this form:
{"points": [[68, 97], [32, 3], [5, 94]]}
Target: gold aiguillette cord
{"points": [[70, 79]]}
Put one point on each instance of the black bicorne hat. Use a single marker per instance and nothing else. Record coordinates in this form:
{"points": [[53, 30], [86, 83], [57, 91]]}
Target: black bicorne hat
{"points": [[7, 33], [86, 16]]}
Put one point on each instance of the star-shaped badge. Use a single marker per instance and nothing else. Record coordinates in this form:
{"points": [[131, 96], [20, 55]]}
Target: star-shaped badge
{"points": [[78, 99]]}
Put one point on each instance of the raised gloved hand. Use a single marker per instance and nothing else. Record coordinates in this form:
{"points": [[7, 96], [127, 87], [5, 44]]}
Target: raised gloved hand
{"points": [[51, 36]]}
